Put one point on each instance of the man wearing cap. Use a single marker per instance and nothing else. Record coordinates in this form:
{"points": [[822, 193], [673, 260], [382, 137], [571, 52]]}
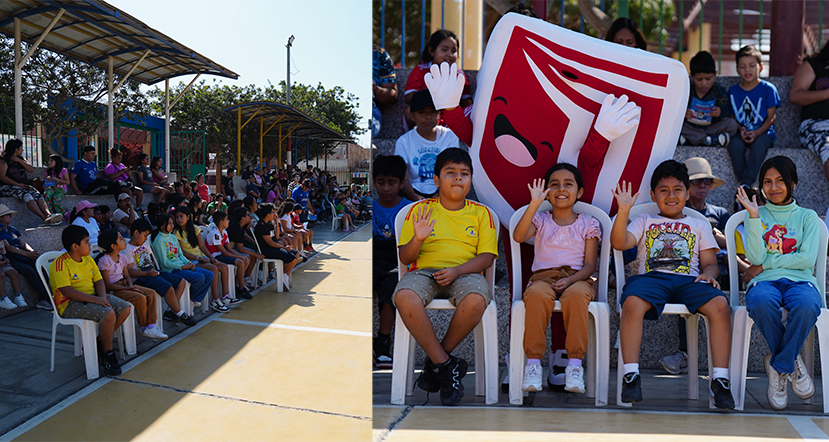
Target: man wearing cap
{"points": [[702, 181], [421, 146], [124, 215]]}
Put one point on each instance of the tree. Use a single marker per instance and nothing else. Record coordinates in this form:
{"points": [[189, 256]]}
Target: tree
{"points": [[62, 94], [202, 108]]}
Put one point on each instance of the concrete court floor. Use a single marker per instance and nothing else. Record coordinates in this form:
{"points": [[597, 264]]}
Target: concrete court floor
{"points": [[664, 415], [263, 371]]}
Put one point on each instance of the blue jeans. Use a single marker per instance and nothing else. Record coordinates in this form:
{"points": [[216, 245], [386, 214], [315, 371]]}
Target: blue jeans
{"points": [[802, 300], [200, 281], [746, 172]]}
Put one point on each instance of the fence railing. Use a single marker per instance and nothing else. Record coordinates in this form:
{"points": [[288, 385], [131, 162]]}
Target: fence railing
{"points": [[671, 26], [32, 142]]}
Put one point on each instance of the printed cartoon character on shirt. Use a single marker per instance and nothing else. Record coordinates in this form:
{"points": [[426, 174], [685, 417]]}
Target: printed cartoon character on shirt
{"points": [[776, 243], [540, 90], [172, 250], [670, 247]]}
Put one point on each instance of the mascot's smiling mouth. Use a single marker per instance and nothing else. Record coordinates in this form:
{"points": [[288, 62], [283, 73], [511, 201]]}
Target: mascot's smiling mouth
{"points": [[512, 146]]}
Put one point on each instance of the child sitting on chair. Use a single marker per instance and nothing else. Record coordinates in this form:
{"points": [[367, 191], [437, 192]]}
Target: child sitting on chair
{"points": [[678, 264], [447, 242], [566, 248]]}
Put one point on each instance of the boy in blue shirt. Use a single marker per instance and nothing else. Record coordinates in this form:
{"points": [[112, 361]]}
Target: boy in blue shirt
{"points": [[84, 176], [708, 119], [754, 103], [389, 174]]}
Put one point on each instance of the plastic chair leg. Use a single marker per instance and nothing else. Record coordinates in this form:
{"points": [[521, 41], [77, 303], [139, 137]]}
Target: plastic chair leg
{"points": [[489, 374], [710, 361], [159, 313], [184, 302], [823, 340], [516, 354], [89, 337], [691, 327], [128, 330], [620, 368], [592, 355], [740, 340], [54, 332], [603, 351], [400, 363], [410, 370]]}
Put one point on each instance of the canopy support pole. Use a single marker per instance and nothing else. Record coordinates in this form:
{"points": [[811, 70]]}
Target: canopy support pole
{"points": [[239, 140], [18, 87], [167, 147], [110, 116]]}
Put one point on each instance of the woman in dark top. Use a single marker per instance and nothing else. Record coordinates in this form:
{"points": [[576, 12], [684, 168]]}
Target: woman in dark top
{"points": [[146, 180], [810, 89], [15, 183]]}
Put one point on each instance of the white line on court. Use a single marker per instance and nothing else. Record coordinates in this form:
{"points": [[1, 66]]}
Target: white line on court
{"points": [[807, 428], [296, 327]]}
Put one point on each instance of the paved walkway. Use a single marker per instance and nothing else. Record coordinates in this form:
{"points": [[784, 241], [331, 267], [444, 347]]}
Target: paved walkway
{"points": [[263, 371]]}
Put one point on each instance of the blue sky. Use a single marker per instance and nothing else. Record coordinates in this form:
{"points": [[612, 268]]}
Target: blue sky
{"points": [[332, 42]]}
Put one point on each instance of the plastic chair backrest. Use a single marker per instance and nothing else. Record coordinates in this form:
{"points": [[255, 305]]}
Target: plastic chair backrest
{"points": [[733, 273], [398, 227], [42, 265], [603, 264], [618, 259]]}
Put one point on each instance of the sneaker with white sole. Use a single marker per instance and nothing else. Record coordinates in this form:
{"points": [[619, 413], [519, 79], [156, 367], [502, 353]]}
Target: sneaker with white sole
{"points": [[777, 392], [218, 306], [230, 302], [153, 333], [802, 384], [20, 301], [286, 281], [558, 362], [53, 219], [724, 139], [532, 378], [574, 379], [44, 305], [7, 303], [682, 140], [676, 363]]}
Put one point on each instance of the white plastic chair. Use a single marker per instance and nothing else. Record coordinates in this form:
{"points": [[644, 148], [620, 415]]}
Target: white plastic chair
{"points": [[741, 336], [691, 321], [335, 219], [279, 269], [598, 351], [86, 331], [485, 335], [231, 280]]}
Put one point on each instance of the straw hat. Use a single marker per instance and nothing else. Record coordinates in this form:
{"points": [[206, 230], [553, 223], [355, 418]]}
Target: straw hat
{"points": [[699, 168], [4, 210]]}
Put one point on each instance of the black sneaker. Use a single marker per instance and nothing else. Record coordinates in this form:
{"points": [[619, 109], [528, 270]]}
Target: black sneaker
{"points": [[450, 374], [230, 302], [382, 352], [169, 315], [187, 320], [243, 293], [721, 391], [427, 381], [631, 388], [110, 364]]}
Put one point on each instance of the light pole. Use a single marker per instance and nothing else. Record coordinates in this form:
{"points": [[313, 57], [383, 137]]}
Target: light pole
{"points": [[288, 88]]}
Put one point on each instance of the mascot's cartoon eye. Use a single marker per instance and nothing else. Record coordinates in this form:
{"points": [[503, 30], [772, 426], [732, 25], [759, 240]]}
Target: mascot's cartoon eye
{"points": [[513, 147], [549, 146], [501, 99], [569, 75]]}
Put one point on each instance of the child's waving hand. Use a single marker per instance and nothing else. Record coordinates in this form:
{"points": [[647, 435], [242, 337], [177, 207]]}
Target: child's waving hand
{"points": [[750, 204], [537, 191], [422, 225], [623, 196]]}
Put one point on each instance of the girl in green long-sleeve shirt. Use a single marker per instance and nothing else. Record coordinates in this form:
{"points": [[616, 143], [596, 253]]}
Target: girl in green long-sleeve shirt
{"points": [[782, 242], [171, 259]]}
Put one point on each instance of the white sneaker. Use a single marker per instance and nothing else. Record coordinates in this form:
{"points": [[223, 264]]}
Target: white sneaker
{"points": [[153, 333], [286, 281], [196, 304], [532, 377], [218, 306], [777, 392], [802, 384], [682, 140], [20, 301], [574, 379], [7, 303], [248, 281], [53, 219]]}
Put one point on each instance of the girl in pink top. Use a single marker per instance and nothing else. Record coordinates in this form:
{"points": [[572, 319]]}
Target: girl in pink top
{"points": [[566, 250]]}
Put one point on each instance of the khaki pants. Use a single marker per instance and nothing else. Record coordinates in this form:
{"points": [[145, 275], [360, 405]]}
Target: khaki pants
{"points": [[143, 299], [539, 300]]}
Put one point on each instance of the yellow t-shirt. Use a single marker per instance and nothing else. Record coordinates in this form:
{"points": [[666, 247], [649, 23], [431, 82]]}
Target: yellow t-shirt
{"points": [[185, 244], [739, 249], [66, 272], [457, 237]]}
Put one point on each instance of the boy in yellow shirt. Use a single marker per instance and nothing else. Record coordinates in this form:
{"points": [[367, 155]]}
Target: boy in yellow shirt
{"points": [[80, 293], [447, 241]]}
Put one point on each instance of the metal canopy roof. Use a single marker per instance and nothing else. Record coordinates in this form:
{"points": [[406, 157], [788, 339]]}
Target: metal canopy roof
{"points": [[289, 117], [93, 30]]}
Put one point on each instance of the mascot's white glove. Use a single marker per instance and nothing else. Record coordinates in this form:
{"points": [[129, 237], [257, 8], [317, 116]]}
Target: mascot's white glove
{"points": [[616, 117], [445, 84]]}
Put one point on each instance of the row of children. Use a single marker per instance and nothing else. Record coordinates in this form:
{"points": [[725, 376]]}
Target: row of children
{"points": [[131, 274], [678, 264]]}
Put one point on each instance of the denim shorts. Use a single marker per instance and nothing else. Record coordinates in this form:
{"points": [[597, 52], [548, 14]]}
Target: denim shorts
{"points": [[660, 288]]}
